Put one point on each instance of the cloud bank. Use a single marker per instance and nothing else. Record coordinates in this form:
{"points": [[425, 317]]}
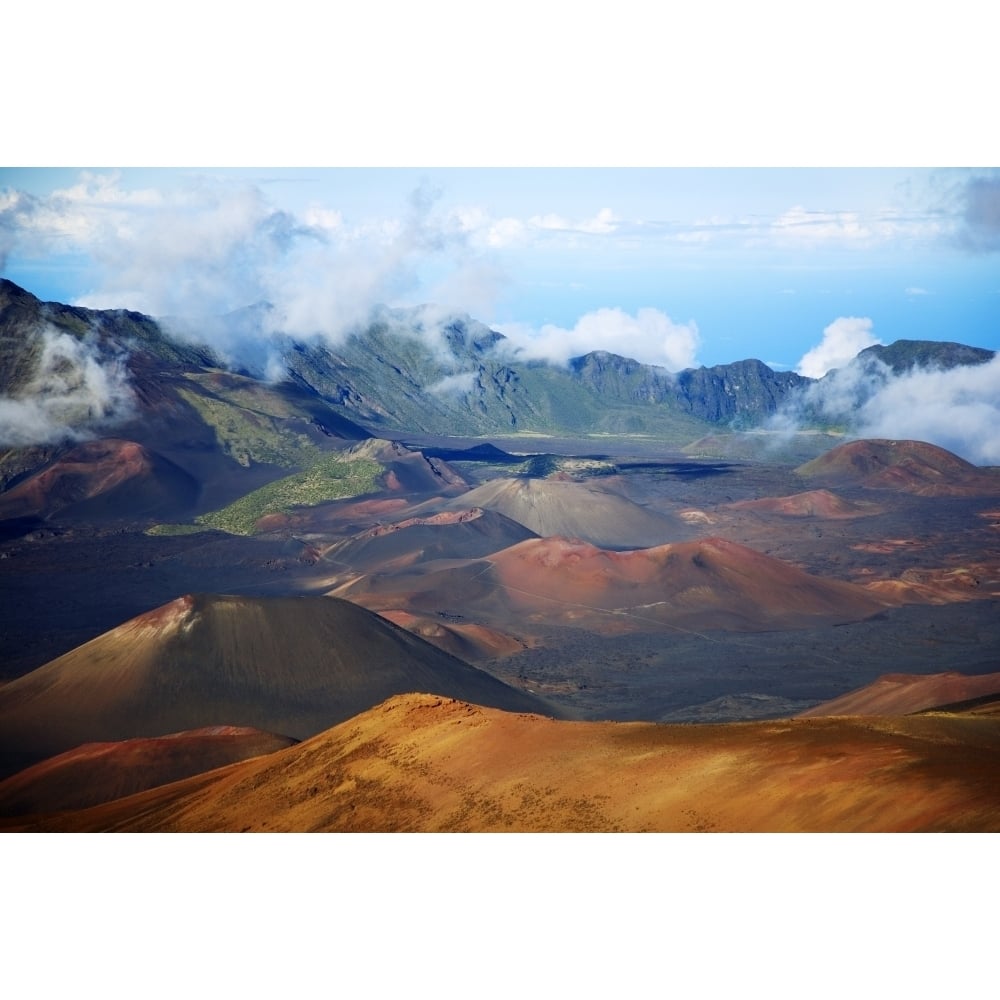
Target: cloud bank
{"points": [[207, 248], [650, 336], [75, 391], [957, 408]]}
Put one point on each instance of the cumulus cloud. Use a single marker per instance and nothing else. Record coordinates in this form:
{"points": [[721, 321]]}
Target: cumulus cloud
{"points": [[507, 231], [92, 212], [650, 336], [76, 390], [842, 340]]}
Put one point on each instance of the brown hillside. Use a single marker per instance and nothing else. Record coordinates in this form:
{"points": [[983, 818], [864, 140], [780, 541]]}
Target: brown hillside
{"points": [[712, 582], [338, 516], [290, 665], [901, 694], [972, 581], [110, 476], [422, 763], [101, 772], [466, 640], [908, 466], [814, 503], [707, 584], [407, 470]]}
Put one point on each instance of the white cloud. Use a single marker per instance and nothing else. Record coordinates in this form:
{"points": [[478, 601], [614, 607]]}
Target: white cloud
{"points": [[809, 229], [957, 409], [650, 336], [328, 219], [915, 291], [604, 222], [453, 385], [208, 247], [75, 390], [93, 211], [802, 226], [842, 340], [505, 232], [472, 286]]}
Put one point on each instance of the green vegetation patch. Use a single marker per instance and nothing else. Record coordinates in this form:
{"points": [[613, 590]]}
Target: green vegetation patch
{"points": [[540, 466], [169, 530], [331, 477], [245, 393], [251, 437]]}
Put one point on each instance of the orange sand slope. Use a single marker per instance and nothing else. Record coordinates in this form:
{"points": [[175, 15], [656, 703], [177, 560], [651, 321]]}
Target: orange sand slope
{"points": [[900, 694], [423, 763]]}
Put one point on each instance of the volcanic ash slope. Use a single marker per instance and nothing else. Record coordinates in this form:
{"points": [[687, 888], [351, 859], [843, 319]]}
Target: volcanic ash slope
{"points": [[288, 665], [453, 534], [577, 510]]}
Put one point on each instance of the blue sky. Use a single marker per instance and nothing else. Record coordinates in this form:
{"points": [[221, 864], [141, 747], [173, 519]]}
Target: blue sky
{"points": [[678, 266]]}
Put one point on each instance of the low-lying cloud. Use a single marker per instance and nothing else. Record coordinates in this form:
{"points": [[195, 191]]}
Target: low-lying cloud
{"points": [[197, 252], [454, 385], [76, 390], [956, 408], [650, 336]]}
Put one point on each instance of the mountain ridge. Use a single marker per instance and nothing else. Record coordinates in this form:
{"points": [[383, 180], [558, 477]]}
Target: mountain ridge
{"points": [[74, 374]]}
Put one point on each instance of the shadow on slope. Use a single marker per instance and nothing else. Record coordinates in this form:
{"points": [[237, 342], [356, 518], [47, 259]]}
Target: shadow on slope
{"points": [[290, 665], [577, 510]]}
